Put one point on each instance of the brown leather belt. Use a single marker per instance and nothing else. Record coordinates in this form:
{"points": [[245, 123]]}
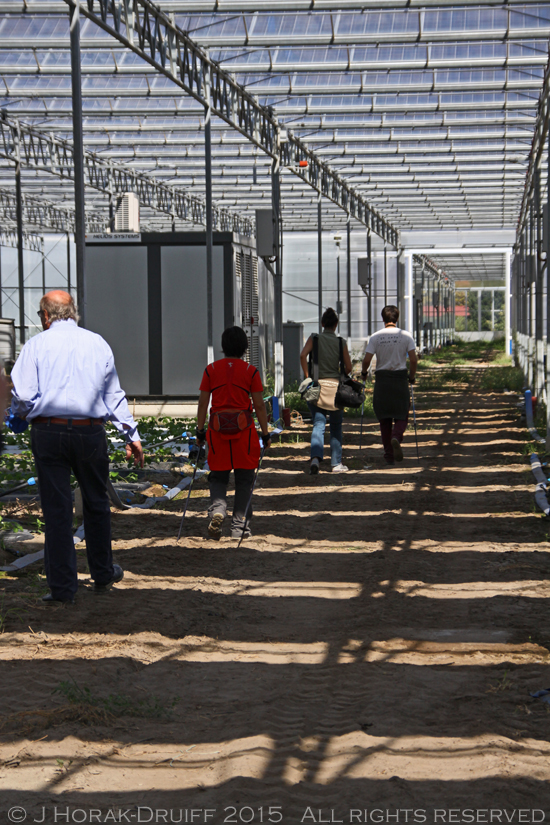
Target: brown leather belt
{"points": [[73, 422]]}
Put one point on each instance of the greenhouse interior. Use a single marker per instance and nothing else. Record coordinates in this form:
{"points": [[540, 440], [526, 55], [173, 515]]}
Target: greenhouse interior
{"points": [[374, 649]]}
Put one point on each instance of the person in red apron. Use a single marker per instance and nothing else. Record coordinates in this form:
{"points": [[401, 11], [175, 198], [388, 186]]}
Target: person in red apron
{"points": [[232, 438]]}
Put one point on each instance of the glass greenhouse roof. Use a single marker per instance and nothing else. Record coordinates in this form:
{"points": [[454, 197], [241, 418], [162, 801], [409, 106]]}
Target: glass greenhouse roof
{"points": [[427, 109]]}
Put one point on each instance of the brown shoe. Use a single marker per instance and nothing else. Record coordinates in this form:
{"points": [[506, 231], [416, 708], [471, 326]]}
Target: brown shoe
{"points": [[215, 526], [397, 451]]}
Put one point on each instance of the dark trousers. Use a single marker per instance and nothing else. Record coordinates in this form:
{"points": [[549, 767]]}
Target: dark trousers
{"points": [[392, 428], [58, 449], [218, 481]]}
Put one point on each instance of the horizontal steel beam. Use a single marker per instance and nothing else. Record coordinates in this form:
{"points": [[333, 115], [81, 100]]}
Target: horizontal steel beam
{"points": [[375, 36], [355, 159], [51, 154], [8, 237], [378, 168], [151, 34], [343, 60], [395, 175], [208, 7], [387, 101], [47, 215], [189, 140], [406, 197], [461, 250], [298, 86], [95, 121], [349, 37]]}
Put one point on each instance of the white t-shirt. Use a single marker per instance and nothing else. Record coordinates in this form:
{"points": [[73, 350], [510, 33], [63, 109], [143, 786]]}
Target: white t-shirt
{"points": [[391, 345]]}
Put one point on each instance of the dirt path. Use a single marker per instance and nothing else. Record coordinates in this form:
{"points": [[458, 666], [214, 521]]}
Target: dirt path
{"points": [[372, 647]]}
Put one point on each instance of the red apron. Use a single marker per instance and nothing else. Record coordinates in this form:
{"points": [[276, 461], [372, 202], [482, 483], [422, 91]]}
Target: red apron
{"points": [[230, 381]]}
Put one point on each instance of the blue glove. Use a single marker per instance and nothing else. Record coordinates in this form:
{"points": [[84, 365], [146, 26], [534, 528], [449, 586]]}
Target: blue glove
{"points": [[14, 423]]}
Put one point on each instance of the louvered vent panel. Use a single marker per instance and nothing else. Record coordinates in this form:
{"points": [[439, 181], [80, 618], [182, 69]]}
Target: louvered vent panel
{"points": [[255, 344]]}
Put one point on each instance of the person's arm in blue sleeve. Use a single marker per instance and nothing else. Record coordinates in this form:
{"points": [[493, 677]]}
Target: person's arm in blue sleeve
{"points": [[116, 403], [24, 376]]}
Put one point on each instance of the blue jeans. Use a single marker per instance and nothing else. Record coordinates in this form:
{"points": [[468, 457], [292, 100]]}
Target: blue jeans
{"points": [[318, 435]]}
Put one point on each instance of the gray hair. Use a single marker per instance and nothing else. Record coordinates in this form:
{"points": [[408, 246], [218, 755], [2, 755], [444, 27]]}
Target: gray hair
{"points": [[58, 311]]}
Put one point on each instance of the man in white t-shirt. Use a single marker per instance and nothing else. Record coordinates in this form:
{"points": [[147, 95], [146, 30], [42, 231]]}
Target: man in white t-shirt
{"points": [[391, 388]]}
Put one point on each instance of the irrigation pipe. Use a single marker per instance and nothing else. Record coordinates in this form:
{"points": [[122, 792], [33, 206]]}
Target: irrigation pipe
{"points": [[168, 496], [168, 441], [529, 417], [27, 483], [541, 486]]}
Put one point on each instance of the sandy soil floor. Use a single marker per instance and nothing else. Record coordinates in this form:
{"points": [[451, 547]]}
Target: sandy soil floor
{"points": [[373, 646]]}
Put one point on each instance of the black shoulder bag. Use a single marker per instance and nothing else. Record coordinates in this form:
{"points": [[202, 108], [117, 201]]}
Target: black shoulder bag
{"points": [[349, 392]]}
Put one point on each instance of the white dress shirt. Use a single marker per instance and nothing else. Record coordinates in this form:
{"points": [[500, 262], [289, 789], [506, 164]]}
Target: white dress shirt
{"points": [[69, 372]]}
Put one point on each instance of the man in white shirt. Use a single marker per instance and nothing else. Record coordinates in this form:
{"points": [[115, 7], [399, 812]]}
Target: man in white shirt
{"points": [[66, 385], [391, 388]]}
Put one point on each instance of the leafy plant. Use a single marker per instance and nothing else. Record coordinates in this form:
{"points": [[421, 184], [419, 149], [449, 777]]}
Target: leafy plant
{"points": [[503, 684], [38, 525]]}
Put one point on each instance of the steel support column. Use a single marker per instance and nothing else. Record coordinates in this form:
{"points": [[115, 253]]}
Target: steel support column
{"points": [[453, 313], [546, 235], [409, 290], [439, 328], [320, 260], [209, 235], [385, 275], [479, 310], [78, 144], [422, 302], [19, 219], [43, 268], [348, 277], [69, 262], [537, 260], [507, 299], [278, 281], [338, 301], [111, 203], [369, 265]]}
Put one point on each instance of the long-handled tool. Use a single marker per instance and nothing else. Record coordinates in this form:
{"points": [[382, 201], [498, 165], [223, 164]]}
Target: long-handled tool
{"points": [[414, 419], [188, 495], [362, 412], [250, 498]]}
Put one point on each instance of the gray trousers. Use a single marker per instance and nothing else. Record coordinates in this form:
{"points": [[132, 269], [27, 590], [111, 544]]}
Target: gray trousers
{"points": [[218, 481]]}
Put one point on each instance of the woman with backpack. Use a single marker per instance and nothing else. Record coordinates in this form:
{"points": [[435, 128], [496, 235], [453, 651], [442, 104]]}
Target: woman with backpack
{"points": [[323, 352]]}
